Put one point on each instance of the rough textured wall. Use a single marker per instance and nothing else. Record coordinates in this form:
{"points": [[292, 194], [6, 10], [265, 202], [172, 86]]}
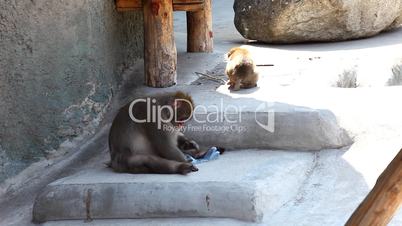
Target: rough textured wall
{"points": [[59, 61]]}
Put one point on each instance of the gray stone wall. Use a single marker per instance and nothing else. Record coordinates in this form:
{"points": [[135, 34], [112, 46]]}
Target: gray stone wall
{"points": [[59, 64]]}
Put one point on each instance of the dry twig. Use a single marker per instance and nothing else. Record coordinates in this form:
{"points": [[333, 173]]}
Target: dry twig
{"points": [[209, 77]]}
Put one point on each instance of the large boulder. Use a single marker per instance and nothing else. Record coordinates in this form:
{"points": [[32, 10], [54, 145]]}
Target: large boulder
{"points": [[290, 21]]}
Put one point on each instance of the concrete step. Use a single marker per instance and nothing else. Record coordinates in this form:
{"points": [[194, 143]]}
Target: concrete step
{"points": [[253, 118], [239, 185], [154, 222], [251, 123]]}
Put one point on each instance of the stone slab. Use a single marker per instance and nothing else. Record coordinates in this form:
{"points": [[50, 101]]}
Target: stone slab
{"points": [[237, 185], [154, 222], [268, 125], [252, 118]]}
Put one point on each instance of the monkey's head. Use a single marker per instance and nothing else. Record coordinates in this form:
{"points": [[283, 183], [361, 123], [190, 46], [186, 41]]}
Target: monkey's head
{"points": [[237, 52], [231, 51], [184, 108]]}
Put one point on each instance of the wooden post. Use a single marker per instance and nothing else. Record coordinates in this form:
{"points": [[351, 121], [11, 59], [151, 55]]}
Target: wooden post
{"points": [[383, 201], [199, 29], [160, 56]]}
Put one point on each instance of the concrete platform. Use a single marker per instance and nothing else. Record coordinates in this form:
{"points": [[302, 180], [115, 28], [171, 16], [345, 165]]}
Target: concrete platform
{"points": [[154, 222], [239, 185], [258, 118], [250, 122]]}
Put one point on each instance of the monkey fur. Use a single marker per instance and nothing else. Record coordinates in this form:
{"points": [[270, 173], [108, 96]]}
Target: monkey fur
{"points": [[241, 69], [137, 147]]}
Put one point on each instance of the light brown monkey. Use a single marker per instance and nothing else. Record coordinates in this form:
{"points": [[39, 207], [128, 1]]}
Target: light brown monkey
{"points": [[241, 69], [144, 137]]}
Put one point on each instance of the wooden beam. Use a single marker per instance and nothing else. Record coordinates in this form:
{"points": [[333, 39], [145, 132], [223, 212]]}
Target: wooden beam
{"points": [[199, 29], [188, 7], [383, 201], [178, 5], [160, 56], [128, 4], [187, 1]]}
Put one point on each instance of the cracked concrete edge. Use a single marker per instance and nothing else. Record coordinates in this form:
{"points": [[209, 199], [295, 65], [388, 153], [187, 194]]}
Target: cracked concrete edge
{"points": [[43, 172], [155, 222], [292, 190], [127, 201], [258, 193]]}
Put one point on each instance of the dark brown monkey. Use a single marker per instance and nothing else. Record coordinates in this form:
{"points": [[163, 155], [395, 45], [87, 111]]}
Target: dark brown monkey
{"points": [[147, 140], [241, 69]]}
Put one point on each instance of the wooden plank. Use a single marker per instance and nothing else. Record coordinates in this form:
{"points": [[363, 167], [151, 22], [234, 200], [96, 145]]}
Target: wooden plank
{"points": [[187, 1], [128, 4], [160, 56], [199, 30], [127, 9], [178, 5], [383, 201], [188, 7]]}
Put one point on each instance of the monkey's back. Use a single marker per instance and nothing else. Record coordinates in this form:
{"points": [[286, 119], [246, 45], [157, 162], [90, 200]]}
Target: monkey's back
{"points": [[127, 137], [240, 64]]}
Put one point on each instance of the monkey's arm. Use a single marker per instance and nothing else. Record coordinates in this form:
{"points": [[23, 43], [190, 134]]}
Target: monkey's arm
{"points": [[189, 147], [165, 144], [185, 144]]}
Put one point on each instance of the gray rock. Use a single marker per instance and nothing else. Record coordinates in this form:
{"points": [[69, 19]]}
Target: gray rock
{"points": [[291, 21]]}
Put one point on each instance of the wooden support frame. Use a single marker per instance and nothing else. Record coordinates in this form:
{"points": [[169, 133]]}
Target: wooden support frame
{"points": [[383, 201], [178, 5], [160, 56], [199, 30]]}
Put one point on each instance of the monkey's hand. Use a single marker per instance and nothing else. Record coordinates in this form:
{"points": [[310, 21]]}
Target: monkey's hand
{"points": [[192, 145], [192, 149], [186, 168], [231, 85], [185, 144]]}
